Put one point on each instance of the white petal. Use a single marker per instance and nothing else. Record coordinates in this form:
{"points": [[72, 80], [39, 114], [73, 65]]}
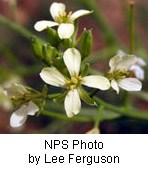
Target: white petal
{"points": [[65, 30], [114, 85], [19, 117], [140, 61], [114, 61], [121, 53], [32, 108], [15, 90], [95, 81], [72, 60], [72, 103], [138, 71], [57, 9], [130, 84], [52, 76], [42, 25], [124, 62], [79, 13]]}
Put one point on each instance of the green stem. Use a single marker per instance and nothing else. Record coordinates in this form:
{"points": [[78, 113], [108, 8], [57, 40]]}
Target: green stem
{"points": [[17, 28], [122, 110], [12, 8], [119, 110], [131, 26], [125, 99], [64, 117], [99, 115]]}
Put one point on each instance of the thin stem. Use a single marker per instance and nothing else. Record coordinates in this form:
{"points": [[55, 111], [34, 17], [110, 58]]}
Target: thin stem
{"points": [[122, 110], [119, 110], [131, 26], [12, 8], [125, 99], [17, 28], [64, 117], [99, 115]]}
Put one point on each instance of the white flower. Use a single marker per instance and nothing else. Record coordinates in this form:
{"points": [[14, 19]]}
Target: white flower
{"points": [[19, 117], [5, 102], [119, 73], [136, 68], [72, 60], [64, 21], [17, 92]]}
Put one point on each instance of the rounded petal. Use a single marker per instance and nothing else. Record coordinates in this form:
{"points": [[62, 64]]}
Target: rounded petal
{"points": [[32, 108], [138, 71], [19, 117], [130, 84], [95, 81], [79, 13], [124, 62], [114, 85], [72, 103], [52, 77], [42, 25], [65, 30], [72, 60], [57, 9], [140, 61]]}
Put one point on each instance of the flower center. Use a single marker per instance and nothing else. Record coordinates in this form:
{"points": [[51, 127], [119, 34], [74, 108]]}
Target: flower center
{"points": [[64, 17], [118, 74], [74, 82]]}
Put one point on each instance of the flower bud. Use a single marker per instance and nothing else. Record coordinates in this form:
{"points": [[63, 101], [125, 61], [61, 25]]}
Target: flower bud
{"points": [[53, 37], [86, 43], [47, 53], [36, 47], [85, 70]]}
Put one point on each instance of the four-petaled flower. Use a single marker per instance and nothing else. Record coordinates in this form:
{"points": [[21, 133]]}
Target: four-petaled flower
{"points": [[19, 117], [64, 21], [137, 69], [119, 73], [72, 60]]}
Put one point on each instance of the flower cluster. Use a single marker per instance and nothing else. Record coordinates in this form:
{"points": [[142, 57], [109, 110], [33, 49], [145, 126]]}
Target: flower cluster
{"points": [[64, 54]]}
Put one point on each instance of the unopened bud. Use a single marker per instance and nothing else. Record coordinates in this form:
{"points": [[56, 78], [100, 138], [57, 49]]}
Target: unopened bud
{"points": [[86, 43], [36, 47], [53, 37]]}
